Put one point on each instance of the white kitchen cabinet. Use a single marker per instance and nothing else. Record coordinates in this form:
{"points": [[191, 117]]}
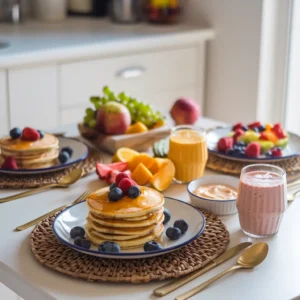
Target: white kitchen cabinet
{"points": [[33, 97], [4, 122]]}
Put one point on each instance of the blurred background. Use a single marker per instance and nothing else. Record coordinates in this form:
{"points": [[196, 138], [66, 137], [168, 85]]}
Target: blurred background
{"points": [[236, 58]]}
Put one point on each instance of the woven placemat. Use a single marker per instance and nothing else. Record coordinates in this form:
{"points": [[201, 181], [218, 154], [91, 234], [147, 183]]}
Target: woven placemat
{"points": [[32, 181], [220, 164], [56, 256]]}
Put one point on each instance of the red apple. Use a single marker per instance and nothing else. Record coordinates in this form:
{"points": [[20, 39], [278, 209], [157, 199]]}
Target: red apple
{"points": [[113, 118], [185, 111]]}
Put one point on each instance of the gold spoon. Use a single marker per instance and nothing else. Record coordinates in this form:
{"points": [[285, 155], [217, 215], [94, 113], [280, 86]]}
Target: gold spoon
{"points": [[64, 182], [292, 196], [249, 259]]}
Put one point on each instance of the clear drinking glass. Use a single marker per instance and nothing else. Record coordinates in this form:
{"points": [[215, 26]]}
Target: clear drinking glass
{"points": [[188, 151], [262, 199]]}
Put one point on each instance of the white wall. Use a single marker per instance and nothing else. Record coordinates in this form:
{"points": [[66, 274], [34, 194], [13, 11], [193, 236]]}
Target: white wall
{"points": [[233, 56]]}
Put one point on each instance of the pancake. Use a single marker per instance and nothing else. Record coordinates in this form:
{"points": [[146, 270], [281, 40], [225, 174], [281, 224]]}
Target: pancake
{"points": [[133, 243], [49, 141], [120, 231], [155, 218], [31, 154], [149, 201]]}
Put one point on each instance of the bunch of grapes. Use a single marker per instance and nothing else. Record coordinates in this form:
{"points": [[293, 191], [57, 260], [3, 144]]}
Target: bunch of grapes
{"points": [[139, 111]]}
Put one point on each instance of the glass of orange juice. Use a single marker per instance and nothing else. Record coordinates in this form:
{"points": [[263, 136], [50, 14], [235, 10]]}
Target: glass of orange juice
{"points": [[188, 151]]}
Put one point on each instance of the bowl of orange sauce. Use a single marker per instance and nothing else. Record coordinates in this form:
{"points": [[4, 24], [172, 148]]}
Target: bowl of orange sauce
{"points": [[215, 193]]}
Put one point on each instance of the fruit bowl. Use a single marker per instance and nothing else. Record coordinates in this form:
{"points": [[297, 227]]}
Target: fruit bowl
{"points": [[291, 150], [111, 143]]}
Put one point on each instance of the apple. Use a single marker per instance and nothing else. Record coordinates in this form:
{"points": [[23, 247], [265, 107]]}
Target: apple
{"points": [[113, 118], [185, 111]]}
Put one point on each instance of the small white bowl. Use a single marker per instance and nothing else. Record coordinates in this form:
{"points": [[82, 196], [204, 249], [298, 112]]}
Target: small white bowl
{"points": [[218, 207]]}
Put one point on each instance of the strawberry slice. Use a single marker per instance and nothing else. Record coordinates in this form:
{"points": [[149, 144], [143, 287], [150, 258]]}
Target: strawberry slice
{"points": [[10, 164], [254, 125], [103, 170], [253, 149], [237, 126], [225, 144], [120, 166]]}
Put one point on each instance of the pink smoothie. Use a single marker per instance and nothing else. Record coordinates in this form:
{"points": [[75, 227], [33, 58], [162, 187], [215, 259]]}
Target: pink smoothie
{"points": [[261, 202]]}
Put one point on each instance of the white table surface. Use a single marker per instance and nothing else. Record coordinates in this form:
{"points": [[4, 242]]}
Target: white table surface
{"points": [[277, 278]]}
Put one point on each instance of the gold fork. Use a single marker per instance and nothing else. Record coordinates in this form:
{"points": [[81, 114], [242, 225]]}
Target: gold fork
{"points": [[35, 221]]}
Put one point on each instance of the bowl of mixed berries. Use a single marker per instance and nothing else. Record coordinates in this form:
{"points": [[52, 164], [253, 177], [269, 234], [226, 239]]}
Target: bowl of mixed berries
{"points": [[253, 142]]}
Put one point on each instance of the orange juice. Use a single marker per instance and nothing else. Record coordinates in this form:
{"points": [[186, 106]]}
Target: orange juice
{"points": [[188, 152]]}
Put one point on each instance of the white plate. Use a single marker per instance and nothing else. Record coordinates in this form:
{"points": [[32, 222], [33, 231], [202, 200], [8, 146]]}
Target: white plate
{"points": [[76, 216], [292, 149], [80, 152]]}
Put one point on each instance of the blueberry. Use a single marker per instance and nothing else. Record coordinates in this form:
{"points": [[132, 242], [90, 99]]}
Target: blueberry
{"points": [[182, 225], [115, 195], [167, 216], [255, 129], [68, 149], [261, 128], [133, 191], [63, 157], [245, 128], [109, 247], [238, 152], [269, 154], [112, 186], [15, 133], [77, 231], [82, 242], [173, 233], [230, 152], [42, 134], [152, 246], [240, 144]]}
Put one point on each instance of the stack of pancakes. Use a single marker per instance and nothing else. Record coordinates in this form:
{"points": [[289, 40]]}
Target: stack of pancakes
{"points": [[31, 155], [129, 222]]}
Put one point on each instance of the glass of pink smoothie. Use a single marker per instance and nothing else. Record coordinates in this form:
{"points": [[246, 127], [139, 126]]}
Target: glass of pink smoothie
{"points": [[262, 199]]}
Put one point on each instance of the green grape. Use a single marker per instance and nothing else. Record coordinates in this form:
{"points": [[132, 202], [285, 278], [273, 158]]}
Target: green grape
{"points": [[89, 112], [92, 123]]}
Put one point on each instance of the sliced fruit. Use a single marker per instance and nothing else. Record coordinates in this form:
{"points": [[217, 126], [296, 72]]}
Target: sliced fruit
{"points": [[157, 164], [237, 126], [137, 127], [159, 124], [238, 133], [253, 149], [141, 175], [282, 143], [124, 155], [163, 178], [265, 146], [225, 144], [269, 136], [144, 158], [104, 170], [254, 125], [248, 137], [269, 127]]}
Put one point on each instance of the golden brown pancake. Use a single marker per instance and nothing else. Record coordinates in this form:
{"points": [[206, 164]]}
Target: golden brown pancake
{"points": [[31, 154]]}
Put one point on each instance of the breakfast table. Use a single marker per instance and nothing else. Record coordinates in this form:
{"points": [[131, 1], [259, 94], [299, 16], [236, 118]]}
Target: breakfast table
{"points": [[277, 278]]}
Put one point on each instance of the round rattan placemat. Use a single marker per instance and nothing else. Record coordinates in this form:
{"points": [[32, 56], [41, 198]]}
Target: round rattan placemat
{"points": [[32, 181], [56, 256], [220, 164]]}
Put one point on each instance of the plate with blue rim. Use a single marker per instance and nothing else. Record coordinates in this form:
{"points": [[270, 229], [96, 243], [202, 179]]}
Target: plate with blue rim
{"points": [[80, 152], [76, 216], [291, 150]]}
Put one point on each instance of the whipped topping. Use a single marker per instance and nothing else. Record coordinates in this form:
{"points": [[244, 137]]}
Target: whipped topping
{"points": [[216, 192]]}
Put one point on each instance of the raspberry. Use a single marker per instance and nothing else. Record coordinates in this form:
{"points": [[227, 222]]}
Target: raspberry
{"points": [[10, 164], [120, 176], [276, 152], [30, 134], [225, 144], [238, 133], [254, 124], [125, 183], [253, 149], [237, 126]]}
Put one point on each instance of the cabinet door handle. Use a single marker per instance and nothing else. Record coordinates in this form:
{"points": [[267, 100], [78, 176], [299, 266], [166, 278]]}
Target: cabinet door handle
{"points": [[131, 72]]}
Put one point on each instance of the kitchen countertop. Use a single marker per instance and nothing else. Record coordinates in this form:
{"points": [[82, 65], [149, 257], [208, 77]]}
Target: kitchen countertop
{"points": [[34, 42], [277, 278]]}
